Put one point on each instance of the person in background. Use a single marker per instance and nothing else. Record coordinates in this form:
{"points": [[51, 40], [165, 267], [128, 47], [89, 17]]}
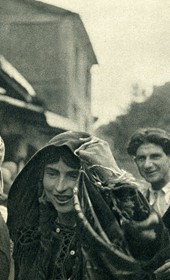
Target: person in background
{"points": [[6, 267], [3, 196], [9, 170], [150, 148], [74, 214], [16, 150]]}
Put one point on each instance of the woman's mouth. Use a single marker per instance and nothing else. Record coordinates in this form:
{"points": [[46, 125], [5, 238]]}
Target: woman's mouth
{"points": [[62, 199]]}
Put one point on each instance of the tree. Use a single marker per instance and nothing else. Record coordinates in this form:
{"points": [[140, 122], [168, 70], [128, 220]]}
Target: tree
{"points": [[155, 112]]}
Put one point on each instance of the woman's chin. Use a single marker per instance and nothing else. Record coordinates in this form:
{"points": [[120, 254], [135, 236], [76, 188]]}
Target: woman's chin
{"points": [[64, 207]]}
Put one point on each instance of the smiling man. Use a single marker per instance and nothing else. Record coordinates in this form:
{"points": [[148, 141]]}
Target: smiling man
{"points": [[150, 148], [153, 164]]}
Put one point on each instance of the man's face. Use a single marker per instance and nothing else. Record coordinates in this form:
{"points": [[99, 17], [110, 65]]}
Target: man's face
{"points": [[153, 163], [59, 181]]}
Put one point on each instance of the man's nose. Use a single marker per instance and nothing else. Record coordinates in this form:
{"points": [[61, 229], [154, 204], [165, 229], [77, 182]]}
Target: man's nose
{"points": [[148, 163]]}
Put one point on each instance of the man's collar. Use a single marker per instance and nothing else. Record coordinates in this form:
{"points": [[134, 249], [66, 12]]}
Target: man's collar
{"points": [[165, 189]]}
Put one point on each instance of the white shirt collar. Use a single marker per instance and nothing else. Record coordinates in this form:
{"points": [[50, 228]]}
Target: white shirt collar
{"points": [[165, 190]]}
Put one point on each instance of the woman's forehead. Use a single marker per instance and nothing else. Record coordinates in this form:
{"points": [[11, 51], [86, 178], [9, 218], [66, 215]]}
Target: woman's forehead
{"points": [[64, 153], [61, 166]]}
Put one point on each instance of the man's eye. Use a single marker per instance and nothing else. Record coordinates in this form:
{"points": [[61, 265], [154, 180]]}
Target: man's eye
{"points": [[156, 156], [140, 159]]}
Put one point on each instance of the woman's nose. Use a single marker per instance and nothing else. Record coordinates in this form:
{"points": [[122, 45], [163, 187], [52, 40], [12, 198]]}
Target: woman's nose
{"points": [[60, 184]]}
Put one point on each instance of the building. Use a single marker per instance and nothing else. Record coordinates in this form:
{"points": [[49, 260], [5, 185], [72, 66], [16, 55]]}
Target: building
{"points": [[23, 123], [52, 50]]}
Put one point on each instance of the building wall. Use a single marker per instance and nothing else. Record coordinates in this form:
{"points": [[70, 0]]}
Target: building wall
{"points": [[45, 47]]}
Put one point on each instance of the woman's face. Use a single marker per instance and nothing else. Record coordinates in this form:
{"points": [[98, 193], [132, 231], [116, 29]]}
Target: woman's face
{"points": [[59, 180]]}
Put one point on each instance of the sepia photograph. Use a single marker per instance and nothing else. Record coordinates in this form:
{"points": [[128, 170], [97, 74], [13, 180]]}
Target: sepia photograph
{"points": [[84, 140]]}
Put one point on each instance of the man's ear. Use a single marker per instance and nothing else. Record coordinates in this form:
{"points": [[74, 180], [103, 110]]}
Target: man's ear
{"points": [[168, 159], [134, 159]]}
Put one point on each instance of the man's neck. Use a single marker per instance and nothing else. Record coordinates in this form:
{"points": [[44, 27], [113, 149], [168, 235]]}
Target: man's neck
{"points": [[159, 185]]}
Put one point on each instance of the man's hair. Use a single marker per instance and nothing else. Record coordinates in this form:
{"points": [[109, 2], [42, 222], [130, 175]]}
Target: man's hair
{"points": [[151, 135]]}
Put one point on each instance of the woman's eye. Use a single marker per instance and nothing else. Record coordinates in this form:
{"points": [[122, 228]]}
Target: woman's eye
{"points": [[74, 175], [51, 173]]}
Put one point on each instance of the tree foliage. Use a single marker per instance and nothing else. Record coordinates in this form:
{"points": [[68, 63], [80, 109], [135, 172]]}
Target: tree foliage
{"points": [[155, 112]]}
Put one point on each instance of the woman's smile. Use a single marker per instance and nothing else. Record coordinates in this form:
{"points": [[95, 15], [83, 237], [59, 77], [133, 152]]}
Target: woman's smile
{"points": [[59, 181], [63, 198]]}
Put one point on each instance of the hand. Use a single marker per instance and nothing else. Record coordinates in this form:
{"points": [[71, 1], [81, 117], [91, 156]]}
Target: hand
{"points": [[97, 152], [96, 156], [163, 272], [143, 230]]}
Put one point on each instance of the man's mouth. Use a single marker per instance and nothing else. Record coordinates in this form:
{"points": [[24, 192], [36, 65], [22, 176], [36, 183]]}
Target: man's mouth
{"points": [[150, 173]]}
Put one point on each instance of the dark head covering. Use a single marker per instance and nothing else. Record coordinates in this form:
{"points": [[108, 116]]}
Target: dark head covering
{"points": [[23, 204]]}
